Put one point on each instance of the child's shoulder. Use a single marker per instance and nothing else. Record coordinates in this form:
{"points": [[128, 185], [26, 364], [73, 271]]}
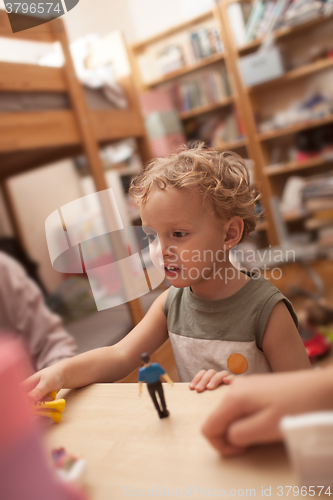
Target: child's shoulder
{"points": [[264, 296]]}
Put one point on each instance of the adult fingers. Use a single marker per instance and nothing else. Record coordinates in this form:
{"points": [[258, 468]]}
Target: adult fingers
{"points": [[217, 379], [215, 429], [259, 427], [197, 378], [205, 379]]}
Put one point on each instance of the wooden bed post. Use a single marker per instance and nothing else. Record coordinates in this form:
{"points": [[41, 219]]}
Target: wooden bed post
{"points": [[90, 147]]}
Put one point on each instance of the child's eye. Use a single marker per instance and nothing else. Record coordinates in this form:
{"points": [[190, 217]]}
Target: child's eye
{"points": [[179, 234], [150, 237]]}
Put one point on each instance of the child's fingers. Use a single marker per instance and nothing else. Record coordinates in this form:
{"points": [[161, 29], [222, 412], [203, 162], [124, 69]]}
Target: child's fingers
{"points": [[205, 379], [218, 379], [31, 382], [197, 378], [228, 379], [39, 391]]}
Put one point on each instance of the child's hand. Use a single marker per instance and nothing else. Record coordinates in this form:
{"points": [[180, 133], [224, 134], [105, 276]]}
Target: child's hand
{"points": [[210, 380], [43, 382]]}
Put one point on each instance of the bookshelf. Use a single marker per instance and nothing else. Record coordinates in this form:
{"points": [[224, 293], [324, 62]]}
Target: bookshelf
{"points": [[274, 96], [201, 52], [184, 71], [249, 103], [284, 32]]}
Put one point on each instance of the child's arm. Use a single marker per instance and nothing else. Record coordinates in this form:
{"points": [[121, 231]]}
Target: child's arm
{"points": [[252, 408], [106, 364], [282, 343]]}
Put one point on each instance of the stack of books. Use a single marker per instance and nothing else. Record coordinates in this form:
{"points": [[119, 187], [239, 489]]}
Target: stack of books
{"points": [[268, 15], [318, 200], [206, 42], [208, 87], [170, 59], [229, 129]]}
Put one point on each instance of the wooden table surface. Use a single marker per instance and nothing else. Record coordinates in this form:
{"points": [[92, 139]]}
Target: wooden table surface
{"points": [[129, 450]]}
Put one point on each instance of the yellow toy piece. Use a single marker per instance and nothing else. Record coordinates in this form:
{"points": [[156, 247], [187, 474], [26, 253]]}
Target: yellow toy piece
{"points": [[51, 409], [53, 395], [53, 414]]}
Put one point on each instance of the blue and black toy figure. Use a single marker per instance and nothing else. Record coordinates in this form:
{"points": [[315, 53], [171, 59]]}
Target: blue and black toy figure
{"points": [[151, 373]]}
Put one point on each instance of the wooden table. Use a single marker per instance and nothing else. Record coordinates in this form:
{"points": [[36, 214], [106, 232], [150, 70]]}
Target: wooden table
{"points": [[129, 450]]}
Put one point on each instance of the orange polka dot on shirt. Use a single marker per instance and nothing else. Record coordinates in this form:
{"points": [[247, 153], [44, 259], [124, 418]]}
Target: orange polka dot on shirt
{"points": [[237, 363]]}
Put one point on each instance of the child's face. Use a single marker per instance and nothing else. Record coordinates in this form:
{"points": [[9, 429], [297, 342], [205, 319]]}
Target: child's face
{"points": [[187, 233]]}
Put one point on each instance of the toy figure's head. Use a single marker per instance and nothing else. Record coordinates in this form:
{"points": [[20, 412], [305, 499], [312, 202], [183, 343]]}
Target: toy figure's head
{"points": [[145, 358]]}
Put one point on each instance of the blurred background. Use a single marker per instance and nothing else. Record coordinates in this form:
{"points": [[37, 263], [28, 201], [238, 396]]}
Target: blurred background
{"points": [[252, 77]]}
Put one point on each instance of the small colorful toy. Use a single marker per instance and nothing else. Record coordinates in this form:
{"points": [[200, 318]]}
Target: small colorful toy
{"points": [[315, 343], [69, 468], [151, 373], [51, 409]]}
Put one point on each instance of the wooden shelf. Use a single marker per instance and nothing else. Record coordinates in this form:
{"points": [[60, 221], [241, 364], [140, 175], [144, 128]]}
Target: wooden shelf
{"points": [[140, 46], [294, 216], [199, 110], [239, 143], [261, 226], [186, 69], [284, 32], [293, 166], [295, 74], [273, 134]]}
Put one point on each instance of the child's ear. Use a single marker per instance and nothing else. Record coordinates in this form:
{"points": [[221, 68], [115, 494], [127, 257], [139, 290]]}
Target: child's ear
{"points": [[234, 231]]}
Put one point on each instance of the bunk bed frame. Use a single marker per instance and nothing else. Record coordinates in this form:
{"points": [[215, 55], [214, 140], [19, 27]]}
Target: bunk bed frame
{"points": [[31, 139]]}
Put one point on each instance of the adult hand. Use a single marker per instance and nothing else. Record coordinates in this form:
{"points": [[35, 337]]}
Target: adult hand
{"points": [[251, 411]]}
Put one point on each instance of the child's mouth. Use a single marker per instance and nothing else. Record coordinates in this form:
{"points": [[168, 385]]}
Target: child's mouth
{"points": [[172, 272]]}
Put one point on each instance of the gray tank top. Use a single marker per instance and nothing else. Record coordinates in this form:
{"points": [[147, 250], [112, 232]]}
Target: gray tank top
{"points": [[224, 334]]}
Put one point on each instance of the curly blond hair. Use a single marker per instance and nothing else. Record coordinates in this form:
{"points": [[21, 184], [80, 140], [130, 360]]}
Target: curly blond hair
{"points": [[221, 176]]}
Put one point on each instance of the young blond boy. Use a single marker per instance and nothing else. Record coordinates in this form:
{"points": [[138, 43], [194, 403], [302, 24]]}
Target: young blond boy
{"points": [[196, 206]]}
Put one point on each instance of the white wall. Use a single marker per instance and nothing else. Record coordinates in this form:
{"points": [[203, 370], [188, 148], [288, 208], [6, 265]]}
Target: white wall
{"points": [[99, 16], [37, 194], [150, 17]]}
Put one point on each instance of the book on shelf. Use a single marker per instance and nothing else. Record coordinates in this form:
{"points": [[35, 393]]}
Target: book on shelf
{"points": [[270, 15], [170, 59], [206, 42], [211, 86], [320, 203], [325, 236], [254, 19], [227, 130], [237, 23], [316, 222], [317, 192]]}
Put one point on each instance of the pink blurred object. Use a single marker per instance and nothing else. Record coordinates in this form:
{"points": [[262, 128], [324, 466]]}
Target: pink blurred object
{"points": [[158, 100], [163, 146], [24, 472]]}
